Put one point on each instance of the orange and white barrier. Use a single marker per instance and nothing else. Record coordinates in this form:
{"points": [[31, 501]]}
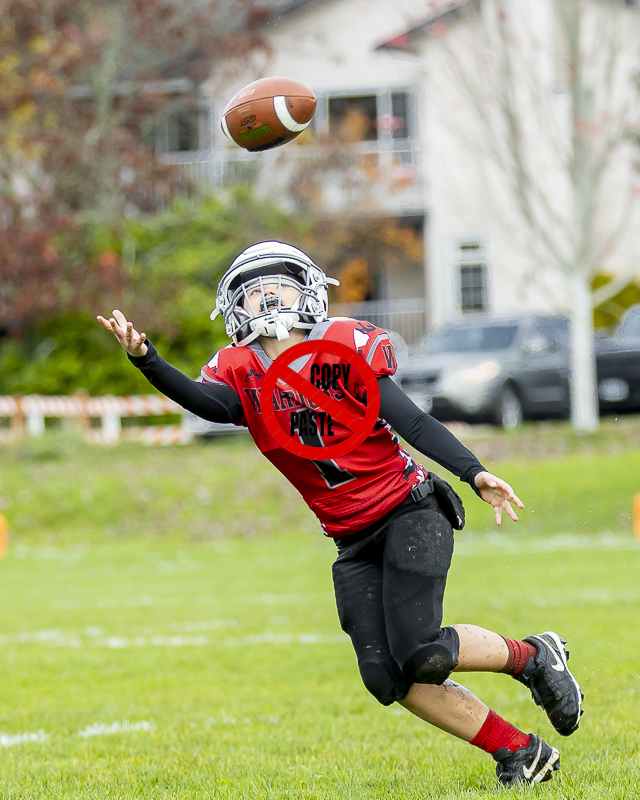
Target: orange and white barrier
{"points": [[28, 414]]}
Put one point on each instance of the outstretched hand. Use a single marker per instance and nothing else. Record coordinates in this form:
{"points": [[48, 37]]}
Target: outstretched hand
{"points": [[499, 494], [125, 333]]}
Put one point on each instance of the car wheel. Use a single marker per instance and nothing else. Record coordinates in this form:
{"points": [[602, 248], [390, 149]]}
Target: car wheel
{"points": [[509, 410]]}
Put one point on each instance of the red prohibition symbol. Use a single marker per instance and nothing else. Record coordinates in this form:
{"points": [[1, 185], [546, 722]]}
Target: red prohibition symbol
{"points": [[360, 427]]}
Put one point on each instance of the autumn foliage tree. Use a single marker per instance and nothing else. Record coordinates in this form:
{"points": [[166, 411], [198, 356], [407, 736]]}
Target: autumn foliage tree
{"points": [[83, 84]]}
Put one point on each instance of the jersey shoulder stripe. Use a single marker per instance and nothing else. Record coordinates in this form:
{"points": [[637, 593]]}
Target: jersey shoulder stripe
{"points": [[220, 367], [368, 340]]}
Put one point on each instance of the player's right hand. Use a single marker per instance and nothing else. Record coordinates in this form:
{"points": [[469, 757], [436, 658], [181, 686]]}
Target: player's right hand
{"points": [[125, 333]]}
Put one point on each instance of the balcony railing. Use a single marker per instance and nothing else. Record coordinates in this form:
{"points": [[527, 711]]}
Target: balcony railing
{"points": [[406, 317], [365, 177]]}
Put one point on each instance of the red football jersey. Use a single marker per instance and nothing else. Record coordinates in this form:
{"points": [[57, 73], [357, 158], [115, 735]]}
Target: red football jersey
{"points": [[347, 493]]}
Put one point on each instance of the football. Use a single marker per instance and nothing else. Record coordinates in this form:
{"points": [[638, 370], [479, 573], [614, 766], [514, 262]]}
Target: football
{"points": [[268, 113]]}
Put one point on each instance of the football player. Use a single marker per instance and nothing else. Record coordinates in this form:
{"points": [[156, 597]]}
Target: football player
{"points": [[391, 520]]}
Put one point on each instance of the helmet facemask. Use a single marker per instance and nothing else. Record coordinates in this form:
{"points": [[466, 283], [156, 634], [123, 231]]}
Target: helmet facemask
{"points": [[259, 266], [273, 318]]}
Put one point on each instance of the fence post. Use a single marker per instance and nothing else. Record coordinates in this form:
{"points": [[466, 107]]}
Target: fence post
{"points": [[35, 424], [111, 427], [185, 424], [17, 421], [30, 413], [82, 419]]}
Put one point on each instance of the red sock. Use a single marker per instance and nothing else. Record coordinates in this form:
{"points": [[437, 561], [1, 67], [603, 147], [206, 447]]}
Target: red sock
{"points": [[519, 654], [497, 732]]}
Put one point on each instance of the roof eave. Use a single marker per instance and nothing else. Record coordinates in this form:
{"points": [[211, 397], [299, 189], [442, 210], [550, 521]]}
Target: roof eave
{"points": [[288, 11], [407, 41]]}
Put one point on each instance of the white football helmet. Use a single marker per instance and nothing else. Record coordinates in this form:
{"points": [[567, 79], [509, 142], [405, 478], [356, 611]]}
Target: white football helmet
{"points": [[258, 266]]}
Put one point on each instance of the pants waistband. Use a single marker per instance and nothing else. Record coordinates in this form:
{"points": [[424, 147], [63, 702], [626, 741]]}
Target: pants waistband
{"points": [[417, 493]]}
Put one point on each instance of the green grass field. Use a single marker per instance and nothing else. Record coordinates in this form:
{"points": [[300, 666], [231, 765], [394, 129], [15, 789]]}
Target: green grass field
{"points": [[168, 629]]}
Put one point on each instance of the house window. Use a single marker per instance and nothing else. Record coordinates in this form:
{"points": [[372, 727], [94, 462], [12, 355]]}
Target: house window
{"points": [[472, 276], [353, 119], [399, 115], [184, 131], [384, 116], [473, 287]]}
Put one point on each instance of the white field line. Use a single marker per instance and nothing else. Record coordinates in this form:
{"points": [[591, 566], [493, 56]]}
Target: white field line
{"points": [[585, 596], [100, 729], [93, 637], [120, 642], [225, 719], [9, 739], [470, 544], [104, 602], [508, 541], [287, 638], [53, 637], [269, 599], [72, 557], [180, 565], [285, 599], [67, 557], [202, 625]]}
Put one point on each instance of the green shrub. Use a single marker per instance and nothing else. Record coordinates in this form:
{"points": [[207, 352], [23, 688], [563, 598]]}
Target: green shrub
{"points": [[170, 265]]}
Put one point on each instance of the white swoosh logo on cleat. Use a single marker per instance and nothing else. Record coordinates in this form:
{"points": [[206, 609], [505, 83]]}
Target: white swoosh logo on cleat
{"points": [[548, 767], [528, 771], [559, 665]]}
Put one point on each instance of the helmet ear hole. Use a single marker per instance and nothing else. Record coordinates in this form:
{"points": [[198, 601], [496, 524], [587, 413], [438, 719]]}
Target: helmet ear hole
{"points": [[241, 313]]}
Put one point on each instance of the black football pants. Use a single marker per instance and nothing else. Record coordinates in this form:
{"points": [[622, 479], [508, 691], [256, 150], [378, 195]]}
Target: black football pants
{"points": [[389, 583]]}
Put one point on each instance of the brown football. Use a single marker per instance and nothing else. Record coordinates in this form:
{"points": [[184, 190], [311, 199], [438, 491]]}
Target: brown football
{"points": [[268, 113]]}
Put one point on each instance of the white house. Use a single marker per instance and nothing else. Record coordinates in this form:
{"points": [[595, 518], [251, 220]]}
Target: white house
{"points": [[391, 61], [579, 170]]}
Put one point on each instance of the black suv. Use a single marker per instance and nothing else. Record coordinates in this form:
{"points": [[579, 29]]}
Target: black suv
{"points": [[618, 361], [501, 370]]}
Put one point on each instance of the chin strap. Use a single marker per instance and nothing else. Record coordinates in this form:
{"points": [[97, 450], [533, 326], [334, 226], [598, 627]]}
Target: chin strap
{"points": [[281, 331]]}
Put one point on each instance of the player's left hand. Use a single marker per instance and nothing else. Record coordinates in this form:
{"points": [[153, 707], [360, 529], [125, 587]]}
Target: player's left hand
{"points": [[499, 494]]}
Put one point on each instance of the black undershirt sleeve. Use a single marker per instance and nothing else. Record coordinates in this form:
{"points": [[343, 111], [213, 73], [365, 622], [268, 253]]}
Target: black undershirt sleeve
{"points": [[425, 433], [217, 403], [211, 401]]}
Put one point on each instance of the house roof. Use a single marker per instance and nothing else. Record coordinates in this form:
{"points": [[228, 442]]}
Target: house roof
{"points": [[283, 8], [447, 11], [241, 16]]}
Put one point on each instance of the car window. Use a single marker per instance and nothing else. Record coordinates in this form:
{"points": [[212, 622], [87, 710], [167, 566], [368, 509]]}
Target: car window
{"points": [[558, 331], [471, 339], [547, 336], [631, 325]]}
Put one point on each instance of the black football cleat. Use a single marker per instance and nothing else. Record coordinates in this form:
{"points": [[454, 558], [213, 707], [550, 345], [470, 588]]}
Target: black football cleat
{"points": [[534, 763], [553, 687]]}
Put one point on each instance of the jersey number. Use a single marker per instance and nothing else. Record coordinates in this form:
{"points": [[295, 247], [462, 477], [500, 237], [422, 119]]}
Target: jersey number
{"points": [[333, 474]]}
